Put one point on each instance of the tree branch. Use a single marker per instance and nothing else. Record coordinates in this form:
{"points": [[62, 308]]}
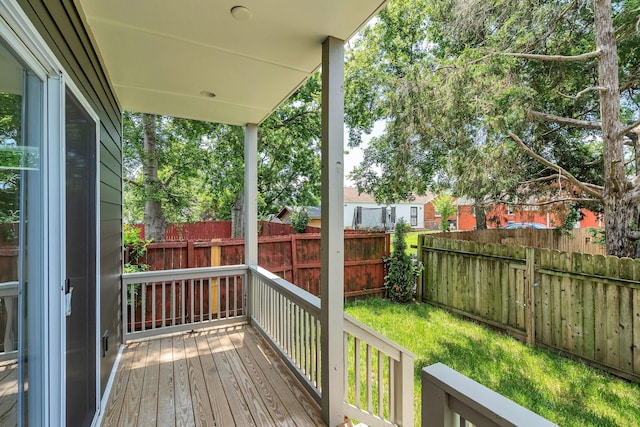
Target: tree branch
{"points": [[137, 184], [587, 189], [557, 176], [582, 92], [556, 58], [584, 124], [561, 200], [633, 235], [630, 127]]}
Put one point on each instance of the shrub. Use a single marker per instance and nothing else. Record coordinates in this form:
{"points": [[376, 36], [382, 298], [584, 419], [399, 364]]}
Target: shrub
{"points": [[299, 219], [137, 247], [402, 269]]}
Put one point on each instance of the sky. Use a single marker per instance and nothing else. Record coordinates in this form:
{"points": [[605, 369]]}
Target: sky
{"points": [[353, 156]]}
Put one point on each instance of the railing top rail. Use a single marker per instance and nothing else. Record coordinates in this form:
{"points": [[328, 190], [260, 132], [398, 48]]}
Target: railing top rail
{"points": [[364, 333], [183, 274], [482, 400], [309, 302]]}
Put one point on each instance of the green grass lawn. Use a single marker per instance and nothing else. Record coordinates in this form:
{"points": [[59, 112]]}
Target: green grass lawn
{"points": [[566, 392], [412, 240]]}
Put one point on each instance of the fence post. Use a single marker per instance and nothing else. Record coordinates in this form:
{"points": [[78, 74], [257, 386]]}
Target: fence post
{"points": [[294, 260], [420, 254], [529, 289]]}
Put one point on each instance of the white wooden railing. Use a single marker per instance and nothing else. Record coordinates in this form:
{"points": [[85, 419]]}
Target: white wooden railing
{"points": [[161, 302], [378, 372], [8, 298], [451, 399]]}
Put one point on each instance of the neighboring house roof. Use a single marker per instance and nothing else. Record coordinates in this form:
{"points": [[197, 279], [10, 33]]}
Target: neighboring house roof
{"points": [[351, 196], [463, 201], [209, 61], [314, 211]]}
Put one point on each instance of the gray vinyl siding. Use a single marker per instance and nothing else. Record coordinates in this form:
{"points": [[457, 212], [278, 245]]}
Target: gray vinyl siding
{"points": [[61, 27]]}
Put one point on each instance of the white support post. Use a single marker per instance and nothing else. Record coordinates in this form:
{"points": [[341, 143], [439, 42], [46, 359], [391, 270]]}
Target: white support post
{"points": [[250, 208], [332, 241], [251, 194]]}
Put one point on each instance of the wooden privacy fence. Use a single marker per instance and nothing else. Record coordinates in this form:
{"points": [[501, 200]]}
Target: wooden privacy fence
{"points": [[220, 230], [579, 239], [582, 304], [295, 257]]}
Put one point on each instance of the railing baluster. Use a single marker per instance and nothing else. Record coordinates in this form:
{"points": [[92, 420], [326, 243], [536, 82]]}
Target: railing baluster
{"points": [[235, 296], [153, 305], [392, 395], [192, 300], [226, 300], [356, 355], [132, 307], [201, 301], [183, 308], [164, 303], [173, 303], [143, 311], [380, 384], [369, 372]]}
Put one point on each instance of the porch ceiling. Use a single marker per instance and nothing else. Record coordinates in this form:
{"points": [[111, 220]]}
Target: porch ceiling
{"points": [[161, 55]]}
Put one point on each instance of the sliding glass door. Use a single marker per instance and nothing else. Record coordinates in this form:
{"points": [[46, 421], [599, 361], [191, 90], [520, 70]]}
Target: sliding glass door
{"points": [[22, 292]]}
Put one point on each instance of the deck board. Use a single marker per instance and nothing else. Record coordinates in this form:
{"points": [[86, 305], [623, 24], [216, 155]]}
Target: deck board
{"points": [[8, 394], [219, 377]]}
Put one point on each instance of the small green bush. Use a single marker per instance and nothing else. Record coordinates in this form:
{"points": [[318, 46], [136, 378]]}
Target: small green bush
{"points": [[137, 248], [299, 219], [402, 269]]}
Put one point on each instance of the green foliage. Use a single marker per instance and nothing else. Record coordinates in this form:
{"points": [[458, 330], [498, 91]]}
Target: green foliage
{"points": [[443, 205], [137, 248], [201, 165], [597, 236], [433, 72], [300, 219], [402, 268], [567, 392], [570, 221]]}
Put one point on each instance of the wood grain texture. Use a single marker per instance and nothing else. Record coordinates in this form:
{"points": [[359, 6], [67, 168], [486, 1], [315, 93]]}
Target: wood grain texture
{"points": [[8, 394], [219, 377]]}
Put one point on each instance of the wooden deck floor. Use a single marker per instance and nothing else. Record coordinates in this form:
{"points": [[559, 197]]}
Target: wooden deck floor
{"points": [[8, 393], [221, 377]]}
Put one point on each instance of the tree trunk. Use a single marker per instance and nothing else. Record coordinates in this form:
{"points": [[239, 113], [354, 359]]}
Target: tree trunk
{"points": [[155, 223], [237, 216], [618, 209], [481, 217]]}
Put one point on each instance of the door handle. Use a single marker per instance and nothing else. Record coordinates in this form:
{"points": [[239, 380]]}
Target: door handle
{"points": [[67, 296]]}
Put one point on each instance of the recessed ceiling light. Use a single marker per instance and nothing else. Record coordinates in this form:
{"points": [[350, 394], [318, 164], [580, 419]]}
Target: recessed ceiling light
{"points": [[241, 13], [208, 94]]}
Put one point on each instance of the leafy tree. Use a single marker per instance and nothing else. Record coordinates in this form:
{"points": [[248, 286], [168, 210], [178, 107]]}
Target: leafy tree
{"points": [[507, 101], [201, 165], [443, 204]]}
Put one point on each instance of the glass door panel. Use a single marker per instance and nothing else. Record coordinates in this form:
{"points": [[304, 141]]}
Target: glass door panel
{"points": [[21, 237]]}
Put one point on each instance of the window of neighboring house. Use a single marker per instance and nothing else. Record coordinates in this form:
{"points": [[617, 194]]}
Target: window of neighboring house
{"points": [[509, 211], [414, 216]]}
